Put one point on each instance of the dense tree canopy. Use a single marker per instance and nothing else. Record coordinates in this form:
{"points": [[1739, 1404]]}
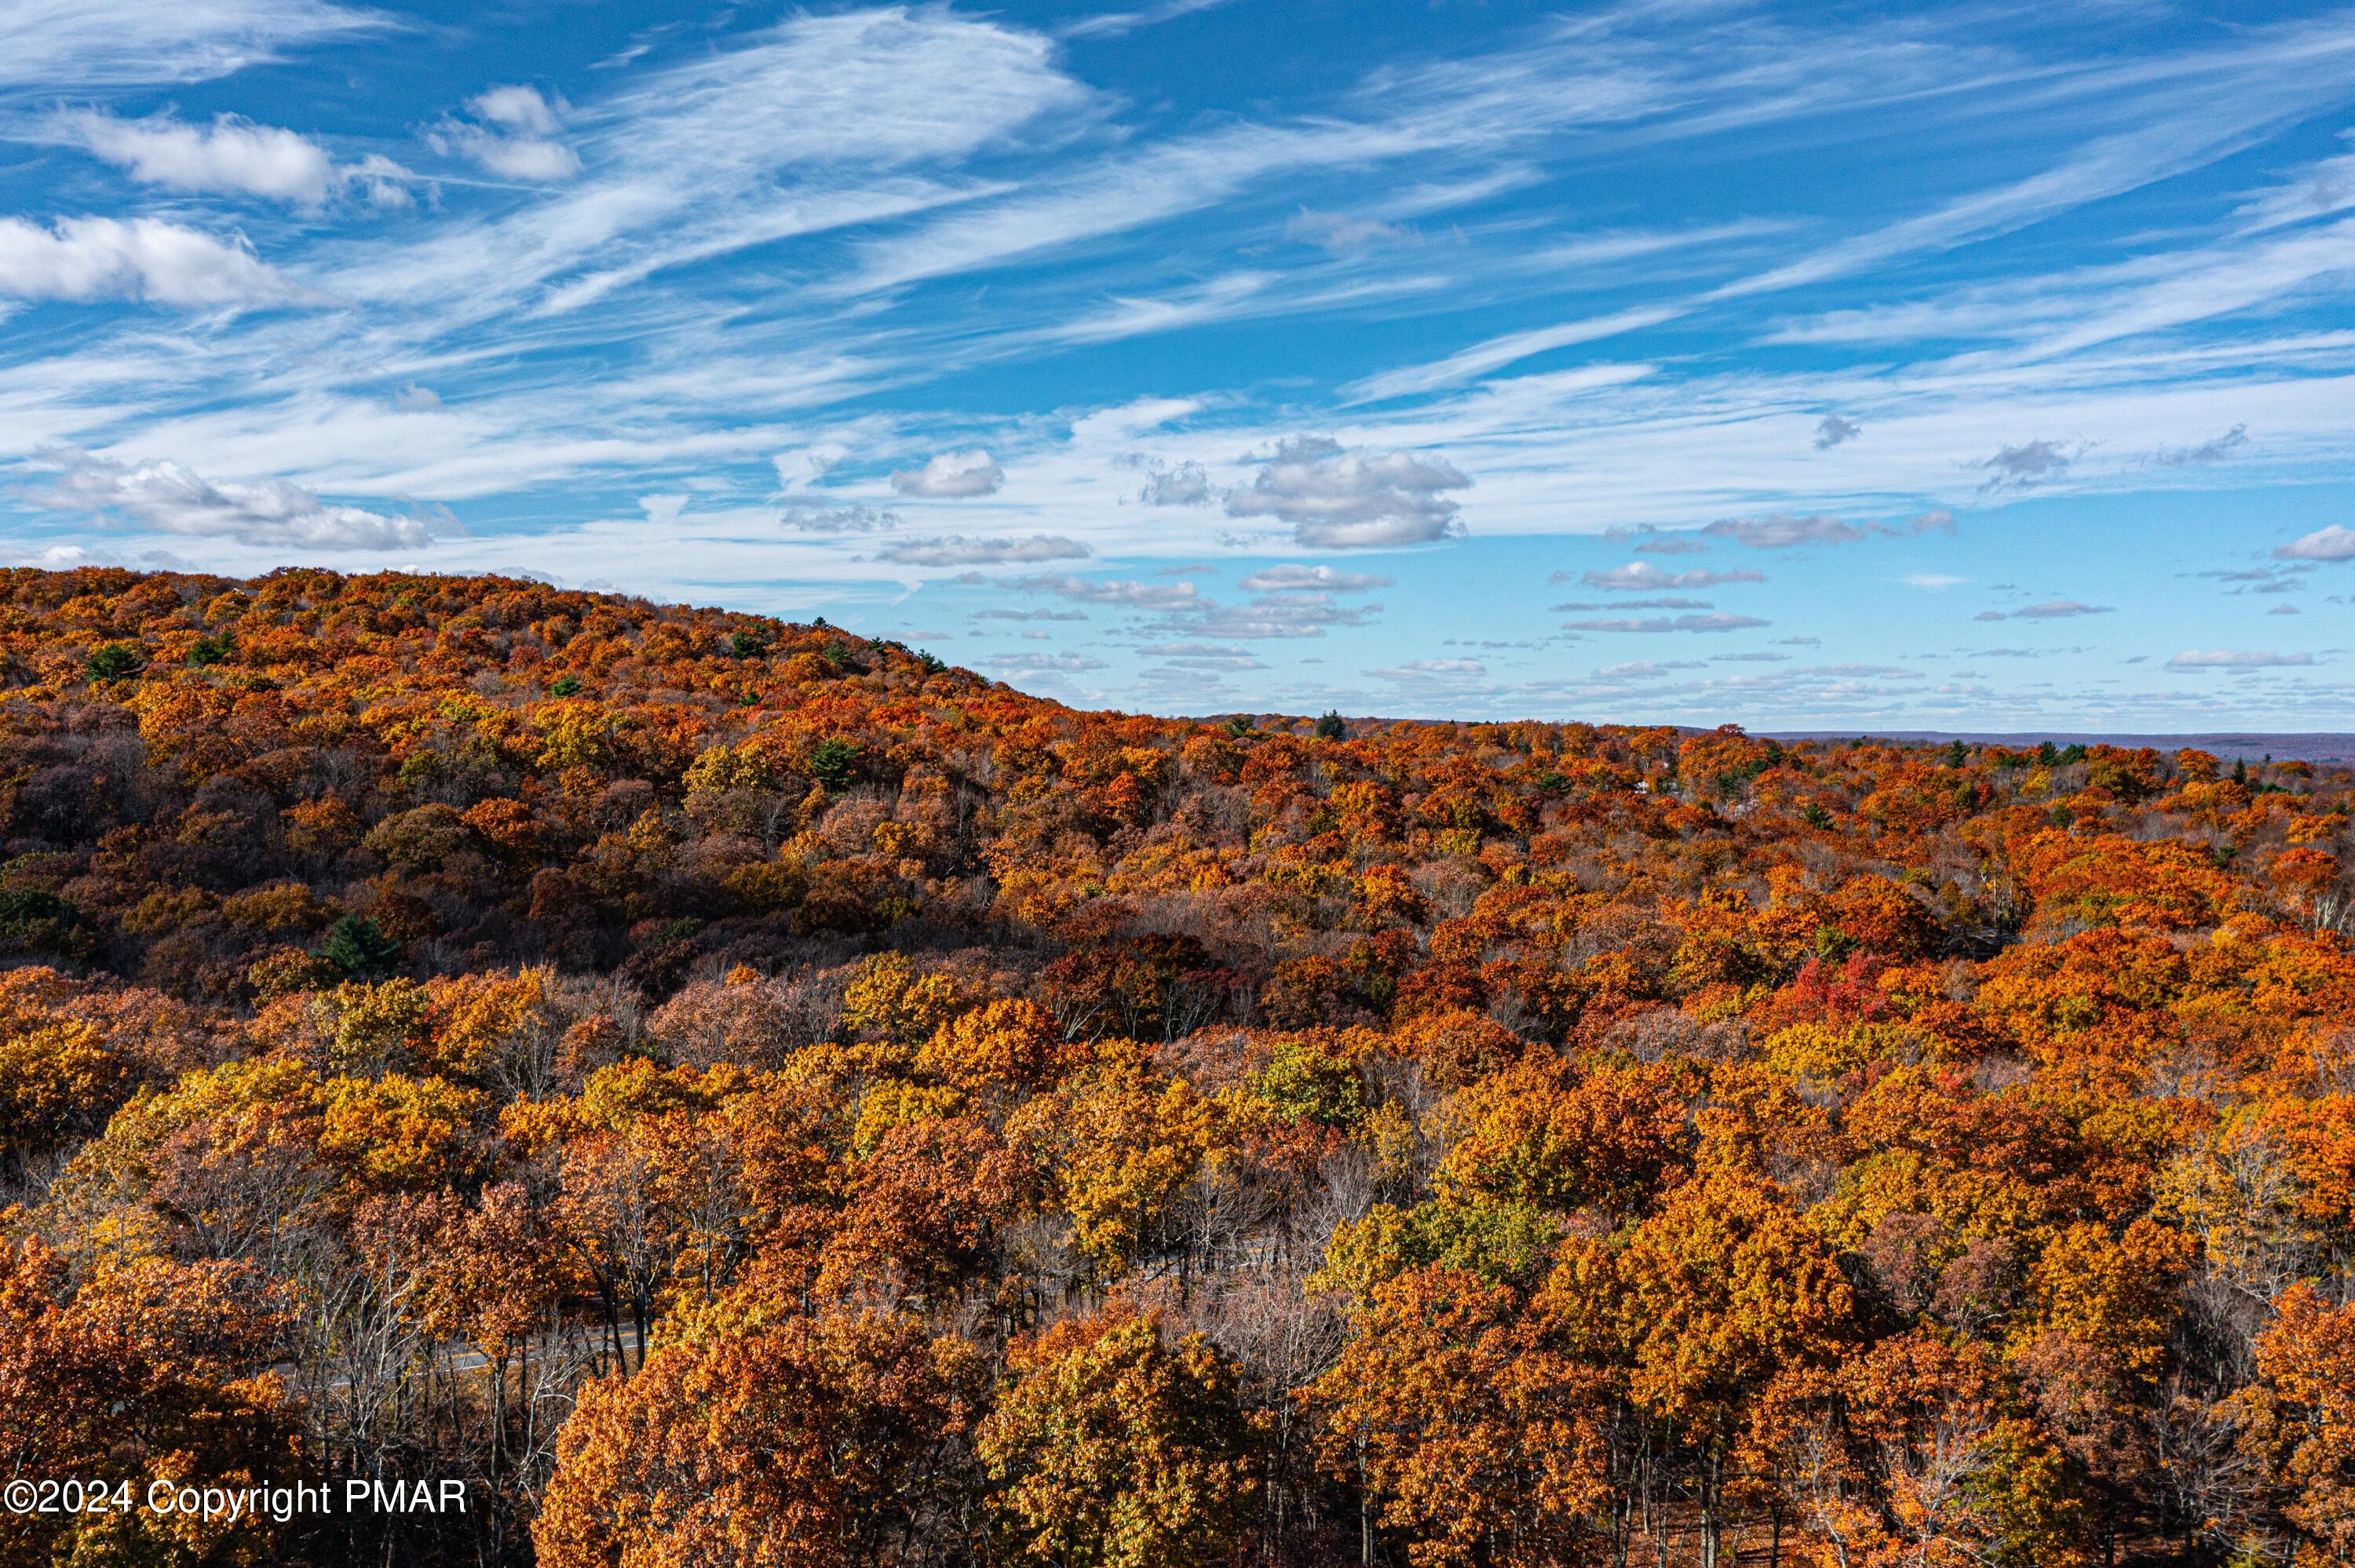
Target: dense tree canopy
{"points": [[742, 1093]]}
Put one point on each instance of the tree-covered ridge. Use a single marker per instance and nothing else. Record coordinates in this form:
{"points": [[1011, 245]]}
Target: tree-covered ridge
{"points": [[744, 1093]]}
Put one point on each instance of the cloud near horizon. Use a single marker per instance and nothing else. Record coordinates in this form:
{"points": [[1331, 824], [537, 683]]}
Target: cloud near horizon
{"points": [[174, 499]]}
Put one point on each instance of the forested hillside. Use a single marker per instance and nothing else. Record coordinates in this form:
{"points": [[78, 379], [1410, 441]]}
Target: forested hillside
{"points": [[743, 1094]]}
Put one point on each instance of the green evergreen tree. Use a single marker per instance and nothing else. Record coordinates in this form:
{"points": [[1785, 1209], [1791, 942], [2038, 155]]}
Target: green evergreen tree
{"points": [[356, 946], [832, 761], [114, 660]]}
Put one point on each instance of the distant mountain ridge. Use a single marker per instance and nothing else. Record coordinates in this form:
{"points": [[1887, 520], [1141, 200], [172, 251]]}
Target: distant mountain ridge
{"points": [[2305, 747]]}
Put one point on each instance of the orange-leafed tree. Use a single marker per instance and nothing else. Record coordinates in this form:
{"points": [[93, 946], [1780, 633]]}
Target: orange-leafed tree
{"points": [[771, 1441], [145, 1371], [1473, 1439], [2300, 1422]]}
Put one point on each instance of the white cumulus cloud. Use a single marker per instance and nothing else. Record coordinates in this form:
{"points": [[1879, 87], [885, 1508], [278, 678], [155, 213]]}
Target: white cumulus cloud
{"points": [[2031, 463], [951, 476], [1042, 664], [1781, 530], [232, 155], [270, 513], [1128, 592], [806, 515], [1293, 614], [164, 263], [1187, 485], [1297, 579], [519, 109], [1336, 498], [513, 135], [2052, 610], [2335, 543]]}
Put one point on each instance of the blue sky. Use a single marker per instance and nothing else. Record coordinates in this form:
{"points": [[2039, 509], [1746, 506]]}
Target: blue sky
{"points": [[1926, 367]]}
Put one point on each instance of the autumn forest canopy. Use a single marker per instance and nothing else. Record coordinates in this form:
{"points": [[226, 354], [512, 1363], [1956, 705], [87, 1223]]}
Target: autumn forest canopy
{"points": [[736, 1093]]}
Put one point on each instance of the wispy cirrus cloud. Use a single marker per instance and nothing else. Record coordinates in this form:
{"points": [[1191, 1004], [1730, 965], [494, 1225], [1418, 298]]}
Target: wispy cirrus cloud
{"points": [[1498, 352], [1204, 656], [1719, 621], [1786, 530], [1645, 668], [870, 112], [1120, 24], [2215, 449], [71, 45], [958, 550], [1444, 674], [2201, 660], [1029, 615], [1338, 232]]}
